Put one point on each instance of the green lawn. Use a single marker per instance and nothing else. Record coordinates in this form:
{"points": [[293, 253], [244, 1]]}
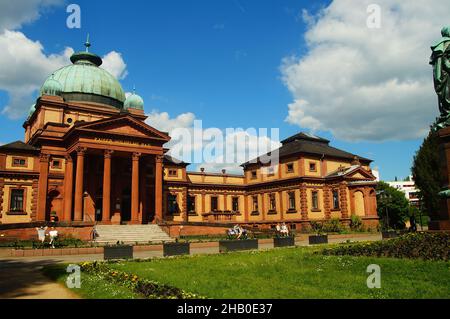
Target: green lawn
{"points": [[92, 286], [282, 273]]}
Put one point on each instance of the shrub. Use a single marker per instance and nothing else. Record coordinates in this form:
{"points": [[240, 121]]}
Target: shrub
{"points": [[356, 223], [427, 246], [317, 227], [333, 226]]}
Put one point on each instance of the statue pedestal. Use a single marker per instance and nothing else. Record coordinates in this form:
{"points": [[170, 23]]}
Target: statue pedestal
{"points": [[441, 220]]}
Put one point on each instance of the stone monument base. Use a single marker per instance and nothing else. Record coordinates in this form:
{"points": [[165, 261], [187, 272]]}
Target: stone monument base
{"points": [[441, 220]]}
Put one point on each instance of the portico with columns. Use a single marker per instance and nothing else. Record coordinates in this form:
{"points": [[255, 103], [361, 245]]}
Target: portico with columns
{"points": [[110, 177]]}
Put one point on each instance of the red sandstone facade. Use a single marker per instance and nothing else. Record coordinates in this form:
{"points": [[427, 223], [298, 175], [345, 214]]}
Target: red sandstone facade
{"points": [[85, 161]]}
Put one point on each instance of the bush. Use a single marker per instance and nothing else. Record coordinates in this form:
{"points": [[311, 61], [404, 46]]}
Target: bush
{"points": [[427, 246], [317, 227], [356, 223], [333, 226]]}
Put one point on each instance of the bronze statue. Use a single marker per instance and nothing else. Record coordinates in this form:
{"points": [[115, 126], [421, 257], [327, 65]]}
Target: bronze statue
{"points": [[440, 59]]}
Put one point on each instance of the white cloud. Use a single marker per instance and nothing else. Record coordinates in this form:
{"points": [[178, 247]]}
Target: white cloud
{"points": [[212, 148], [24, 68], [114, 64], [163, 122], [13, 14], [367, 84]]}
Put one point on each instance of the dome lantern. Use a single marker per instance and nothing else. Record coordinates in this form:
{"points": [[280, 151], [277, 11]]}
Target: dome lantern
{"points": [[51, 87], [32, 110], [134, 101]]}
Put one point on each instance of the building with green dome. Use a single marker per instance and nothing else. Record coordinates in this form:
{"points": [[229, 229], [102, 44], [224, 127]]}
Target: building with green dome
{"points": [[89, 157]]}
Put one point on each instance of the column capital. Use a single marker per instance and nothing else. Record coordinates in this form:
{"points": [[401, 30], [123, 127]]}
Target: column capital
{"points": [[81, 150], [136, 156], [68, 158], [44, 157], [159, 158], [108, 153]]}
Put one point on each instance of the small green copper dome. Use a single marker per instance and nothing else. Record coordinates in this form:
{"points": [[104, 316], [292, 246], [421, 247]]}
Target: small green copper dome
{"points": [[134, 101], [51, 87], [85, 81], [32, 110]]}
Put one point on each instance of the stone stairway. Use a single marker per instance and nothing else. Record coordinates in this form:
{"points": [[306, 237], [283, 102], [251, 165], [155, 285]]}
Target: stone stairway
{"points": [[131, 234]]}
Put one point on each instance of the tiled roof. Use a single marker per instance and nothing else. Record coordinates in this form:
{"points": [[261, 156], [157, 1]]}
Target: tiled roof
{"points": [[304, 143], [19, 146]]}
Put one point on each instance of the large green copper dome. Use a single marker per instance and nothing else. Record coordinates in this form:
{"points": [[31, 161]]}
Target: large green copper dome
{"points": [[85, 81]]}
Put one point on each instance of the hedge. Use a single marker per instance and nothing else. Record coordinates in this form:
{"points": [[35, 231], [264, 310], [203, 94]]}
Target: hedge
{"points": [[427, 246]]}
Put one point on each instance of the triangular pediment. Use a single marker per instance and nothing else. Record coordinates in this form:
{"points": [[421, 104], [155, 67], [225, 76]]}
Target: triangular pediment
{"points": [[360, 173], [124, 125]]}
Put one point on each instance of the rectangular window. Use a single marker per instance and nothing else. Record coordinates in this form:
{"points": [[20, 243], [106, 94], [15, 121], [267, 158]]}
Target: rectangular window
{"points": [[235, 204], [335, 199], [214, 203], [255, 203], [56, 164], [290, 168], [270, 171], [172, 204], [312, 167], [272, 202], [16, 203], [315, 200], [19, 162], [253, 174], [291, 196], [191, 204], [173, 172]]}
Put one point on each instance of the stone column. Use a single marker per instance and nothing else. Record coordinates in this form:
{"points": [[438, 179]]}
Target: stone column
{"points": [[280, 197], [43, 186], [184, 206], [68, 189], [106, 211], [303, 202], [158, 188], [79, 185], [327, 201], [343, 199], [135, 189]]}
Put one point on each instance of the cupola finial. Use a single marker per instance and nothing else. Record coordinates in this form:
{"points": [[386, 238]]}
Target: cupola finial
{"points": [[87, 44]]}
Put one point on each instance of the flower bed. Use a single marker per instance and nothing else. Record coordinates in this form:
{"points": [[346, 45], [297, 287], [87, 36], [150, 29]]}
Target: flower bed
{"points": [[427, 246], [147, 288]]}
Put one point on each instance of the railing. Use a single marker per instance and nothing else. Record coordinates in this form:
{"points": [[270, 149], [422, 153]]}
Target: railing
{"points": [[219, 216]]}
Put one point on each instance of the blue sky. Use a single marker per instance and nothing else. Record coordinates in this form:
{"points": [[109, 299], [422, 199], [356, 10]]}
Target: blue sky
{"points": [[220, 60]]}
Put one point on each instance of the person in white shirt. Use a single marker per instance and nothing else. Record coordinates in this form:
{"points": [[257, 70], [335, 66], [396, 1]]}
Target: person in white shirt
{"points": [[41, 233], [284, 230], [53, 234]]}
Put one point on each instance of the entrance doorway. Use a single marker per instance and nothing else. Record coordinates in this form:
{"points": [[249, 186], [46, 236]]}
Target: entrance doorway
{"points": [[126, 205]]}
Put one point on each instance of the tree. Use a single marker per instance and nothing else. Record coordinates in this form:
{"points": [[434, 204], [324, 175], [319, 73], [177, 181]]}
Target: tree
{"points": [[426, 173], [392, 205]]}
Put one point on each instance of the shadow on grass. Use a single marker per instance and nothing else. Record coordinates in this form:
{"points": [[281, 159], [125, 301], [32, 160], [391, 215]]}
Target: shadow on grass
{"points": [[17, 276]]}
